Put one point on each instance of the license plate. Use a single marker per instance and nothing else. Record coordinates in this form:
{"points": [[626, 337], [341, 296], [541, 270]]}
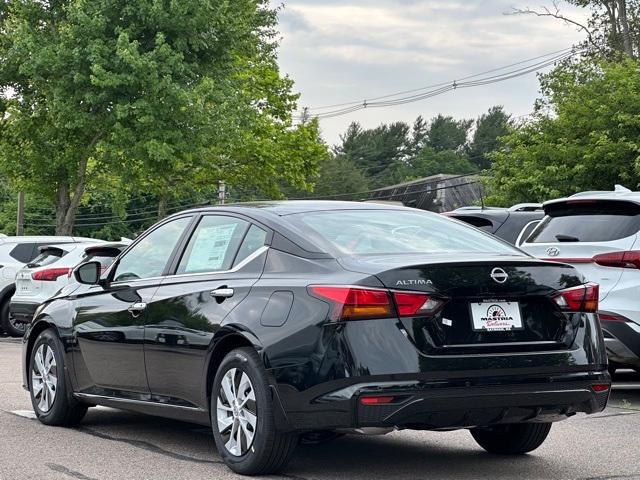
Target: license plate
{"points": [[496, 316], [23, 283]]}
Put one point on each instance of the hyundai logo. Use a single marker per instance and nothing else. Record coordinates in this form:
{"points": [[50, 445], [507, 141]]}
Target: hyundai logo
{"points": [[499, 275], [553, 252]]}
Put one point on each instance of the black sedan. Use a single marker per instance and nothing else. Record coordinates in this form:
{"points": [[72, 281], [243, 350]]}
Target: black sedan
{"points": [[274, 322]]}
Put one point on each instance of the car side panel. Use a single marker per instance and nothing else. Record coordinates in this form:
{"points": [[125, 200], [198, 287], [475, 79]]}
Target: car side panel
{"points": [[181, 326]]}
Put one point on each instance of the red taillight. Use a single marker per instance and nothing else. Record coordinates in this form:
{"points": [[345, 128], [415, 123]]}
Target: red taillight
{"points": [[376, 400], [354, 303], [583, 298], [629, 259], [600, 387], [411, 304], [50, 274]]}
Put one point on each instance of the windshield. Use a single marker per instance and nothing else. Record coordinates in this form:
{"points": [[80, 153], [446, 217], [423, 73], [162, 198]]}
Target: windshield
{"points": [[362, 232]]}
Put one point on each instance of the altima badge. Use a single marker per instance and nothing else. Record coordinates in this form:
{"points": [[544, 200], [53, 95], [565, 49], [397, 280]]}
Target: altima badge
{"points": [[499, 275]]}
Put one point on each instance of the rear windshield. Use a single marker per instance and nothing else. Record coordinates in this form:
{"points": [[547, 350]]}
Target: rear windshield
{"points": [[47, 257], [588, 222], [363, 232]]}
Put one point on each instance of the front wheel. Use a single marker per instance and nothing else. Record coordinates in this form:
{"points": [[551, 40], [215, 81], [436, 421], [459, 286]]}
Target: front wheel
{"points": [[242, 417], [50, 391], [514, 439]]}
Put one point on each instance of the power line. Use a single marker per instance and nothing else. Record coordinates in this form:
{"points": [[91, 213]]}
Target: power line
{"points": [[442, 84], [440, 89]]}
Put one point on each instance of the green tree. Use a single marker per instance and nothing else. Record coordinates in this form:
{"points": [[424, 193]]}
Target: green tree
{"points": [[489, 127], [447, 133], [585, 136], [159, 93], [337, 176], [374, 150]]}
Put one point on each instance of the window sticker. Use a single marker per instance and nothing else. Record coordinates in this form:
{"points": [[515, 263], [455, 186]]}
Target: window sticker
{"points": [[210, 248]]}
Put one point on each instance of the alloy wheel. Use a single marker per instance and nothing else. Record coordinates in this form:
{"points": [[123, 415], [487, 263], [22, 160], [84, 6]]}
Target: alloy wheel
{"points": [[18, 326], [44, 377], [236, 412]]}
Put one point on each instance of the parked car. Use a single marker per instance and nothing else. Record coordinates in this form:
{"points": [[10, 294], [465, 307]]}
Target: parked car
{"points": [[270, 320], [15, 252], [44, 276], [511, 224], [597, 233]]}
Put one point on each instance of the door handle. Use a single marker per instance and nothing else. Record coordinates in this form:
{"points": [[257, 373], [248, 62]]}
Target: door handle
{"points": [[223, 292], [137, 308]]}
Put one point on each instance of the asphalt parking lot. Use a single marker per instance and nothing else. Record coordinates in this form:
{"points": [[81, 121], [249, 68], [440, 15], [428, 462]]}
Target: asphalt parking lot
{"points": [[112, 445]]}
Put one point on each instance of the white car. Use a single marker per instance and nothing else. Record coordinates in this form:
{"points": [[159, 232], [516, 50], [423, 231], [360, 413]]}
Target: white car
{"points": [[44, 276], [597, 232], [15, 252]]}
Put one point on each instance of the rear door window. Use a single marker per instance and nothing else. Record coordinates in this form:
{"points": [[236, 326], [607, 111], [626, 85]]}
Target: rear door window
{"points": [[213, 245], [253, 241], [587, 221]]}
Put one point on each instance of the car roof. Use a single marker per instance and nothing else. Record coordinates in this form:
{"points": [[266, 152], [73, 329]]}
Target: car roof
{"points": [[46, 239], [620, 193], [290, 207]]}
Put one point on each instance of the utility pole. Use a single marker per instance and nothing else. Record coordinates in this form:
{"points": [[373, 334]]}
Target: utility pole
{"points": [[20, 219], [222, 192]]}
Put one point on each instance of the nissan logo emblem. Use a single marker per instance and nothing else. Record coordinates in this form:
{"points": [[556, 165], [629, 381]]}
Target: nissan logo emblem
{"points": [[499, 275], [553, 252]]}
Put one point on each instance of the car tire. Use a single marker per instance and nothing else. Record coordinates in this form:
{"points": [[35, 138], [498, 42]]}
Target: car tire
{"points": [[49, 386], [242, 417], [5, 321], [513, 439]]}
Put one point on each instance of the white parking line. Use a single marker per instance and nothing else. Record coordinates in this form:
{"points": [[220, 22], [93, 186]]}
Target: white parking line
{"points": [[24, 413]]}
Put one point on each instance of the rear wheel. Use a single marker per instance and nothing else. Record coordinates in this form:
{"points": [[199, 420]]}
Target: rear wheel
{"points": [[8, 324], [514, 439], [242, 417], [50, 391]]}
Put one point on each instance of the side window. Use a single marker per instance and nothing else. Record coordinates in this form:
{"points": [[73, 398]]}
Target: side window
{"points": [[149, 257], [213, 245], [24, 252], [254, 240]]}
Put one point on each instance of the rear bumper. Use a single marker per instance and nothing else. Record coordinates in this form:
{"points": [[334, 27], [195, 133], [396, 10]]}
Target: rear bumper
{"points": [[460, 403], [23, 311]]}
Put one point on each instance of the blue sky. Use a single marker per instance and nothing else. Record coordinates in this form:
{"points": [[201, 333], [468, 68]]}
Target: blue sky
{"points": [[347, 50]]}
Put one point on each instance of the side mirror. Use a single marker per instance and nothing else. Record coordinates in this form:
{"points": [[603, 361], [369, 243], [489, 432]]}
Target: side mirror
{"points": [[88, 273]]}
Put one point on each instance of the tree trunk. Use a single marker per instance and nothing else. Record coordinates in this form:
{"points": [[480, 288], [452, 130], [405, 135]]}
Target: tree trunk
{"points": [[162, 206], [63, 201], [67, 203], [624, 28]]}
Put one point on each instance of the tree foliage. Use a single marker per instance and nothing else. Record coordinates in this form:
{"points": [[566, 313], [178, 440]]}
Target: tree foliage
{"points": [[585, 136], [399, 152], [157, 93], [490, 127]]}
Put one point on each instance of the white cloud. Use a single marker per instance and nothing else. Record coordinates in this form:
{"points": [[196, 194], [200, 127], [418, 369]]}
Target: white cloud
{"points": [[349, 49]]}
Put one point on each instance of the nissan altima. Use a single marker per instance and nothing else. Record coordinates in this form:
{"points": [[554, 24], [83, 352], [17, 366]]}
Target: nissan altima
{"points": [[276, 322]]}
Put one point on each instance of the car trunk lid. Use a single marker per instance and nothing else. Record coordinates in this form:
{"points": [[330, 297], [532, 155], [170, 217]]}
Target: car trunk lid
{"points": [[473, 288]]}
